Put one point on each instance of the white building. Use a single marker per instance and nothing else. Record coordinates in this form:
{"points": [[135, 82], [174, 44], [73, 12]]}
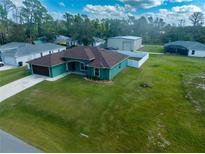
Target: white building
{"points": [[17, 54], [187, 48], [129, 43]]}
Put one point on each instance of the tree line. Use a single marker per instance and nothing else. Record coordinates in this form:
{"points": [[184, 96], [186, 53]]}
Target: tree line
{"points": [[32, 20]]}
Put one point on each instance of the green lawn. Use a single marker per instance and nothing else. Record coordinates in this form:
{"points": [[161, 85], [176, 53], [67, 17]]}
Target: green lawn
{"points": [[135, 58], [12, 75], [122, 117], [153, 48]]}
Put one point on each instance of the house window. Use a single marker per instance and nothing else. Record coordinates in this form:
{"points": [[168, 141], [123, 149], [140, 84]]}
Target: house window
{"points": [[120, 66], [83, 67], [97, 72], [193, 52]]}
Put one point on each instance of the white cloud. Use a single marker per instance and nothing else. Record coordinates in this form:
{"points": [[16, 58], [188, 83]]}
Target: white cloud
{"points": [[180, 0], [176, 14], [105, 11], [62, 4], [143, 3], [57, 15], [186, 9]]}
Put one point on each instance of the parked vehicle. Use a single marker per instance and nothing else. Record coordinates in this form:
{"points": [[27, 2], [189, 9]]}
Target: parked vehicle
{"points": [[1, 64]]}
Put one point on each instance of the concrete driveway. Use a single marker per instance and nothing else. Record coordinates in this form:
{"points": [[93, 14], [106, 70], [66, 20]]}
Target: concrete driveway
{"points": [[17, 86], [11, 144]]}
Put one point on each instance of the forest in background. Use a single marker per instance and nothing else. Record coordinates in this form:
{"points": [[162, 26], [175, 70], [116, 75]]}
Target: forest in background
{"points": [[33, 21]]}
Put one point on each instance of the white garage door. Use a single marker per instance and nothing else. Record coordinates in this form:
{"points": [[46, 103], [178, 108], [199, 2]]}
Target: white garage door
{"points": [[127, 45], [9, 60]]}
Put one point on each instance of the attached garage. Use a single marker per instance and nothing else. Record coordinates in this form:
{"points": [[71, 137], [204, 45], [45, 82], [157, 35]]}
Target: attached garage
{"points": [[40, 70]]}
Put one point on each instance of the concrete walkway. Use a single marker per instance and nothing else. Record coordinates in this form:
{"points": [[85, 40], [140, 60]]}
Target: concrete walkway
{"points": [[156, 53], [17, 86], [11, 144]]}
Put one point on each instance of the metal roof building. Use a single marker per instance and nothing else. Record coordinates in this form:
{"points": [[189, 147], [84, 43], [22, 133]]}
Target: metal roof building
{"points": [[18, 53], [188, 48], [129, 43]]}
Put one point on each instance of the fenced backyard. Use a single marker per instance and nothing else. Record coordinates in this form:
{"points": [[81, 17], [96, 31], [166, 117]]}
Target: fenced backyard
{"points": [[137, 59]]}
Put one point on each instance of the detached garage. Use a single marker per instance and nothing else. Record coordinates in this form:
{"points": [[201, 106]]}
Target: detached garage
{"points": [[129, 43], [187, 48]]}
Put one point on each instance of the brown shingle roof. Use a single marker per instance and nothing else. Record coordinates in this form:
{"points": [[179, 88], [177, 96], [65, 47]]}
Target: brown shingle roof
{"points": [[81, 52], [49, 60], [98, 57], [105, 58]]}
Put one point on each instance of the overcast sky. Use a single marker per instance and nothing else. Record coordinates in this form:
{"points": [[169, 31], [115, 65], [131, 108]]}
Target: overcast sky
{"points": [[170, 10]]}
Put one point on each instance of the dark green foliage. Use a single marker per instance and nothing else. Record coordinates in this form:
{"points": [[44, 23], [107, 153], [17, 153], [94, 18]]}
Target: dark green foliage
{"points": [[33, 21]]}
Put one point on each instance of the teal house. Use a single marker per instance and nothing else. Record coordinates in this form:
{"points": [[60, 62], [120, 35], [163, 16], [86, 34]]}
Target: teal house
{"points": [[87, 61]]}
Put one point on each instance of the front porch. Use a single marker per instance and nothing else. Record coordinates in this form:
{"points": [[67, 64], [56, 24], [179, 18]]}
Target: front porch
{"points": [[75, 67]]}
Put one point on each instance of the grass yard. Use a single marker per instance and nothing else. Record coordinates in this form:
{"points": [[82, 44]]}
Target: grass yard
{"points": [[135, 58], [12, 75], [122, 117], [153, 48]]}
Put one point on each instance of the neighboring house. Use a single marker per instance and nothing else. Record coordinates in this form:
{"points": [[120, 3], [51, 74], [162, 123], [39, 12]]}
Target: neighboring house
{"points": [[17, 54], [98, 42], [129, 43], [65, 41], [88, 61], [187, 48]]}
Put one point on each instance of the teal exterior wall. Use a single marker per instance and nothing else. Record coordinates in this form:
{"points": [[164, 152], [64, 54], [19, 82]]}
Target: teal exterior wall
{"points": [[108, 74], [90, 72], [31, 68], [57, 70], [105, 73], [117, 68]]}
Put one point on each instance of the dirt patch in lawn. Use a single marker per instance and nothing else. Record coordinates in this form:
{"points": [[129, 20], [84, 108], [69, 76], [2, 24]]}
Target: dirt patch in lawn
{"points": [[156, 137], [195, 89]]}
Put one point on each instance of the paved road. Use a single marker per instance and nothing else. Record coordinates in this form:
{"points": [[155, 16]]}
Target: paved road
{"points": [[11, 144], [17, 86]]}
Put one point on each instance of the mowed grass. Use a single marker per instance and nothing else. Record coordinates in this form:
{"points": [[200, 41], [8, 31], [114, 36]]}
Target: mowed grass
{"points": [[153, 48], [122, 117], [12, 75]]}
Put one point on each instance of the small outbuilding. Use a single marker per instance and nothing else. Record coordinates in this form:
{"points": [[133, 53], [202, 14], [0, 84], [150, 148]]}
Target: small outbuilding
{"points": [[98, 42], [187, 48], [17, 53], [65, 41], [128, 43]]}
